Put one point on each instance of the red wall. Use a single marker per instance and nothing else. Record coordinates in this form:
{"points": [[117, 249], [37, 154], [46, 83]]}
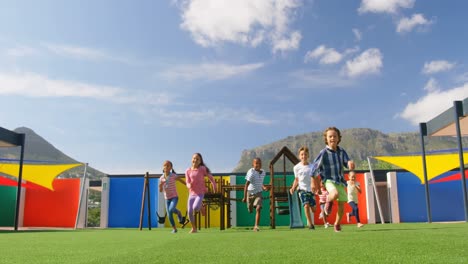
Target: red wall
{"points": [[57, 208], [347, 209]]}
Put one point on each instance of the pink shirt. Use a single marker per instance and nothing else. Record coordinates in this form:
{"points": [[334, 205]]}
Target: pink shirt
{"points": [[196, 179], [323, 196], [169, 185]]}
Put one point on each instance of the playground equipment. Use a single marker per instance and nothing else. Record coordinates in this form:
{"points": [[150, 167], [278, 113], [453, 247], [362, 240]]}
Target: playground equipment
{"points": [[279, 190]]}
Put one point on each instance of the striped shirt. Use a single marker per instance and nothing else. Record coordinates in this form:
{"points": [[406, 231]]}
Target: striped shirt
{"points": [[169, 185], [329, 164], [303, 174], [323, 196], [256, 180]]}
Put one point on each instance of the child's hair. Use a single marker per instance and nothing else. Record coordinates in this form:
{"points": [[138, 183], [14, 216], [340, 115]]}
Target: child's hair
{"points": [[258, 159], [168, 161], [331, 128], [202, 163], [305, 149]]}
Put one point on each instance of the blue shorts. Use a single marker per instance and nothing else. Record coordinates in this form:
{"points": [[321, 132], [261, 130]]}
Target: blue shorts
{"points": [[307, 198]]}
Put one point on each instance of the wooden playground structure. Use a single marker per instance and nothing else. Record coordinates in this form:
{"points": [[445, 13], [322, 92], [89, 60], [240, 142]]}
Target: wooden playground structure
{"points": [[221, 199]]}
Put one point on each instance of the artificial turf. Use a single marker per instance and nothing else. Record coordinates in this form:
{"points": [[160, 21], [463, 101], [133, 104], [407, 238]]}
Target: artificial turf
{"points": [[379, 243]]}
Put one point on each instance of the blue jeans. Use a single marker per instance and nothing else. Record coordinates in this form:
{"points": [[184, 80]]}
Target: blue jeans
{"points": [[171, 209], [355, 212]]}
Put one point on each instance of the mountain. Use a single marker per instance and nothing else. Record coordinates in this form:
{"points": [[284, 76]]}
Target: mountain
{"points": [[38, 149], [358, 142]]}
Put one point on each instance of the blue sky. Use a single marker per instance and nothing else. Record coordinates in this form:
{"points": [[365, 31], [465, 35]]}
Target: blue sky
{"points": [[125, 85]]}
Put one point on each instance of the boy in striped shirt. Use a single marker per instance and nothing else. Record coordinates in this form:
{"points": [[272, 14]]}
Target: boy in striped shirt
{"points": [[329, 164]]}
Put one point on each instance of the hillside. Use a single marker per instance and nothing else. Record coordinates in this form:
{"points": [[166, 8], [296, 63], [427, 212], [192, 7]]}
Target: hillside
{"points": [[39, 149], [358, 142]]}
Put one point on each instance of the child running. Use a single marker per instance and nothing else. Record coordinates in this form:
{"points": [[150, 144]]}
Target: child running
{"points": [[353, 190], [306, 183], [254, 187], [167, 184], [329, 164], [195, 177], [323, 204]]}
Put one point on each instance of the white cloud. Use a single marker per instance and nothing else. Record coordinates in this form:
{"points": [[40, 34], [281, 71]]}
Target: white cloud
{"points": [[324, 54], [327, 55], [437, 66], [433, 104], [246, 22], [20, 51], [368, 62], [432, 85], [187, 118], [357, 34], [85, 53], [319, 79], [40, 86], [384, 6], [408, 24], [462, 78], [209, 71]]}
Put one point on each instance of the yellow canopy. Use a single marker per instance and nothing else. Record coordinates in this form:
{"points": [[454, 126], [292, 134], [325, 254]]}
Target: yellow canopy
{"points": [[39, 174], [435, 164]]}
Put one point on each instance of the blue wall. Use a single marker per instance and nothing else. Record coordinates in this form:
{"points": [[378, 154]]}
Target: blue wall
{"points": [[125, 202], [446, 199]]}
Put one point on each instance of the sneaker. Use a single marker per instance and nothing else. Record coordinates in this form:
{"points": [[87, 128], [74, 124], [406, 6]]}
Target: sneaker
{"points": [[256, 229], [337, 228], [312, 227], [326, 225], [359, 225], [174, 231], [347, 217], [182, 220]]}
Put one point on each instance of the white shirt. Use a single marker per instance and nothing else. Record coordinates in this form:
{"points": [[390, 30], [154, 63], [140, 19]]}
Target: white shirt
{"points": [[303, 174], [256, 180]]}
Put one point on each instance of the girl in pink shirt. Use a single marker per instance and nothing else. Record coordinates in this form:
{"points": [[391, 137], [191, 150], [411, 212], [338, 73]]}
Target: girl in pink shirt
{"points": [[195, 178], [167, 184]]}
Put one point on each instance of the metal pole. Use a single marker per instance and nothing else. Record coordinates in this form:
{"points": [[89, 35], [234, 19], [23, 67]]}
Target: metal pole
{"points": [[377, 199], [458, 106], [82, 191], [20, 180], [423, 132]]}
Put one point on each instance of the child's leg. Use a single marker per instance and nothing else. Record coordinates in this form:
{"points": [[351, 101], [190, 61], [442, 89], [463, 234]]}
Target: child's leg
{"points": [[194, 206], [258, 207], [308, 214], [354, 209], [339, 212], [356, 213], [170, 205]]}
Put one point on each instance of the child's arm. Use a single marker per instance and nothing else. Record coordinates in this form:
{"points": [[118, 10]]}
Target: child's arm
{"points": [[357, 186], [245, 191], [293, 187], [213, 182]]}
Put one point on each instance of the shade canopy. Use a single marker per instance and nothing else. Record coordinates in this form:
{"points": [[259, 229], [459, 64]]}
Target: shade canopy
{"points": [[40, 174], [436, 164]]}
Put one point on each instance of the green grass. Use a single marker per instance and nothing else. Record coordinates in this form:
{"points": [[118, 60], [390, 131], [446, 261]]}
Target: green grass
{"points": [[388, 243]]}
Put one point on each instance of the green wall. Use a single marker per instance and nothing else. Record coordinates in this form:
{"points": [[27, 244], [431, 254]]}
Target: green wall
{"points": [[246, 219]]}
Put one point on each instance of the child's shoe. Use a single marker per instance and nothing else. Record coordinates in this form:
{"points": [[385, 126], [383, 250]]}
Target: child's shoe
{"points": [[337, 228], [174, 231], [359, 225], [312, 227], [256, 229], [326, 225]]}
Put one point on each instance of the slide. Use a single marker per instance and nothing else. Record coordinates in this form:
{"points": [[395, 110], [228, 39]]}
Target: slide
{"points": [[295, 211], [161, 212]]}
